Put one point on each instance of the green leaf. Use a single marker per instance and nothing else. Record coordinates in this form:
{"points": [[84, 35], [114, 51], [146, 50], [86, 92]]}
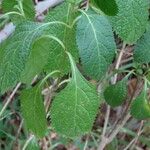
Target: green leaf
{"points": [[116, 94], [142, 49], [140, 108], [33, 111], [27, 6], [109, 7], [96, 44], [37, 59], [15, 52], [29, 10], [8, 5], [64, 13], [131, 20], [74, 109], [48, 52]]}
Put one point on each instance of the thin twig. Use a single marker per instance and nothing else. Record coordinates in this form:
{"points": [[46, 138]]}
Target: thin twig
{"points": [[18, 131], [140, 131], [27, 142], [9, 99], [86, 143], [119, 126], [132, 143]]}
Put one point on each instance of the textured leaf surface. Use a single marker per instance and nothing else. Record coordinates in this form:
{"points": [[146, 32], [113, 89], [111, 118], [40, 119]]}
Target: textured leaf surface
{"points": [[131, 20], [66, 14], [142, 49], [8, 5], [96, 44], [140, 108], [116, 94], [37, 59], [109, 7], [28, 8], [15, 53], [74, 108], [33, 111]]}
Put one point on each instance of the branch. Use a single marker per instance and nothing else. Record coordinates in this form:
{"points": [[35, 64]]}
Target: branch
{"points": [[43, 6]]}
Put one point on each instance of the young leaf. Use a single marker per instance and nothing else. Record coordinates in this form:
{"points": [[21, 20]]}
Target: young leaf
{"points": [[116, 94], [131, 20], [96, 44], [74, 109], [142, 49], [109, 7], [64, 13], [140, 108], [33, 111]]}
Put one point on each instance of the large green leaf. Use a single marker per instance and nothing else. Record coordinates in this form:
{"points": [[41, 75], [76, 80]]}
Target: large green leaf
{"points": [[131, 20], [142, 49], [65, 13], [109, 7], [140, 108], [33, 111], [15, 52], [74, 109], [116, 94], [96, 44]]}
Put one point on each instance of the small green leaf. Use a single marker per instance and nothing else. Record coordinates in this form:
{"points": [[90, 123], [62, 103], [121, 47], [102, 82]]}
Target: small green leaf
{"points": [[140, 108], [142, 49], [33, 111], [109, 7], [74, 109], [131, 21], [96, 44], [116, 94]]}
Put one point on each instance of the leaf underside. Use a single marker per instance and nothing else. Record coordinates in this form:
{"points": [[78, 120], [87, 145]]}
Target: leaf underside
{"points": [[74, 109]]}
